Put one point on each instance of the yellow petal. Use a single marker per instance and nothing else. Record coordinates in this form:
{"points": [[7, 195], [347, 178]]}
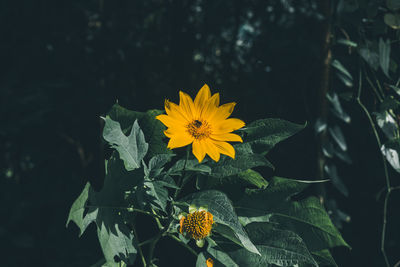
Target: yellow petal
{"points": [[179, 141], [225, 148], [211, 150], [198, 150], [169, 121], [201, 98], [186, 105], [228, 125], [227, 137], [215, 99], [174, 111], [210, 107], [223, 112], [176, 130]]}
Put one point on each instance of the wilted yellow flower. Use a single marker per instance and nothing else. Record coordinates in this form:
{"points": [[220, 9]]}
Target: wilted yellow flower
{"points": [[197, 225], [202, 123], [210, 262]]}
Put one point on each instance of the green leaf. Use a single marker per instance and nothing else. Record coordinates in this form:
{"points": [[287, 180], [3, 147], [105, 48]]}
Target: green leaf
{"points": [[371, 57], [278, 190], [343, 73], [387, 124], [201, 260], [156, 165], [152, 128], [384, 55], [252, 177], [245, 159], [132, 148], [222, 256], [191, 166], [76, 213], [279, 247], [338, 136], [263, 135], [245, 178], [347, 42], [157, 194], [221, 208], [391, 152], [337, 109], [108, 209], [392, 20], [116, 240], [307, 217], [324, 258], [154, 191]]}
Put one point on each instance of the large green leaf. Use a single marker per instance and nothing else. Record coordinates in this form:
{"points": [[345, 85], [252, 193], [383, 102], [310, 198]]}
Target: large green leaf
{"points": [[245, 159], [152, 128], [246, 178], [279, 247], [277, 192], [310, 220], [115, 238], [307, 217], [263, 135], [324, 258], [132, 148], [221, 207], [108, 209]]}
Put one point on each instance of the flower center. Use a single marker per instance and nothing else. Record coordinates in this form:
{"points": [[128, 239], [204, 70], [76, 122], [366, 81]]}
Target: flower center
{"points": [[199, 129], [197, 224]]}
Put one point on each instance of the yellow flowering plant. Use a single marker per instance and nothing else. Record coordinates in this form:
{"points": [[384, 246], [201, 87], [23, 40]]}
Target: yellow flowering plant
{"points": [[210, 200]]}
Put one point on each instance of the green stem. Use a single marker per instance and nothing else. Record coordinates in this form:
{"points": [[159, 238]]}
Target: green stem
{"points": [[388, 188], [139, 247], [183, 244], [374, 88]]}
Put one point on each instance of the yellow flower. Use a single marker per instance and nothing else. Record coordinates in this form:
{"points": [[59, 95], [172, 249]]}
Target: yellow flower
{"points": [[197, 225], [210, 262], [202, 123]]}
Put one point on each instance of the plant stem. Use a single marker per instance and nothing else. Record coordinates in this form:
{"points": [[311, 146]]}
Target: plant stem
{"points": [[139, 247], [388, 188], [183, 244]]}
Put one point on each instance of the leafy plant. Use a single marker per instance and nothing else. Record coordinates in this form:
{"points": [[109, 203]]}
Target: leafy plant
{"points": [[267, 224]]}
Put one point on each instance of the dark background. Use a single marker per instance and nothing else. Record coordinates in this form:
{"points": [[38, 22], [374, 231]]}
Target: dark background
{"points": [[65, 63]]}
